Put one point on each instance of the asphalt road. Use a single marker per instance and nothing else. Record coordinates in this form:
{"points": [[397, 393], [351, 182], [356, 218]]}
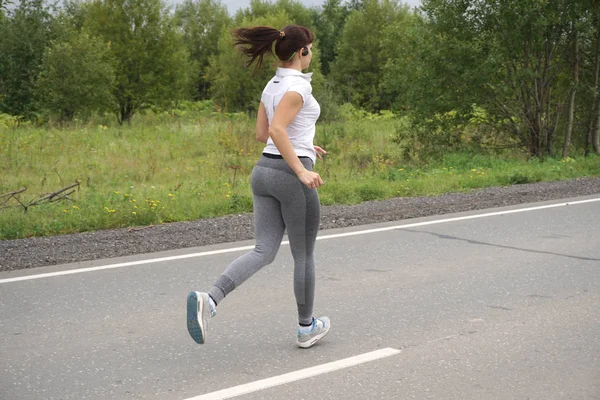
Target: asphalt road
{"points": [[492, 307]]}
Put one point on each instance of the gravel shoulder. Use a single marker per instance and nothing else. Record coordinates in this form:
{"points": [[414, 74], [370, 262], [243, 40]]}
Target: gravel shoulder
{"points": [[44, 251]]}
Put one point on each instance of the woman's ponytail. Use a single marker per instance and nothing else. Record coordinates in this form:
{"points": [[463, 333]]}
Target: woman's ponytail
{"points": [[257, 41]]}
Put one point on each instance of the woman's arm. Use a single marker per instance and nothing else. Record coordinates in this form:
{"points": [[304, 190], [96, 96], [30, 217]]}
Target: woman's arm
{"points": [[262, 124], [286, 111]]}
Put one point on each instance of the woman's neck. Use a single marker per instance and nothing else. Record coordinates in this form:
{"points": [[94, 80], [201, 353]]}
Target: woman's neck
{"points": [[292, 65]]}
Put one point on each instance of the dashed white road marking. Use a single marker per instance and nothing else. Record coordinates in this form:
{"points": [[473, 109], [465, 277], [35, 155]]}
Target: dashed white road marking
{"points": [[297, 375]]}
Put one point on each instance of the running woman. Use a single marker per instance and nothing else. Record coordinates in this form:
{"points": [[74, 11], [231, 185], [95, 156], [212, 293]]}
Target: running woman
{"points": [[284, 186]]}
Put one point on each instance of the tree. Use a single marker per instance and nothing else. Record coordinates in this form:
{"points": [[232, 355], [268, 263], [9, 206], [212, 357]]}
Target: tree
{"points": [[593, 122], [357, 69], [329, 24], [24, 34], [406, 46], [151, 62], [201, 22], [297, 13], [77, 77], [73, 15], [504, 56], [580, 26]]}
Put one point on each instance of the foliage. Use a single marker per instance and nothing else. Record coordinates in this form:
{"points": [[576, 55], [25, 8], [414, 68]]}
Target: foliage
{"points": [[201, 23], [77, 77], [357, 69], [297, 13], [24, 34], [329, 23], [8, 121], [516, 74], [507, 58], [152, 63]]}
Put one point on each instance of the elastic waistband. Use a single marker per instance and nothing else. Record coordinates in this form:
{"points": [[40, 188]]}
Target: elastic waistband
{"points": [[277, 162], [279, 157]]}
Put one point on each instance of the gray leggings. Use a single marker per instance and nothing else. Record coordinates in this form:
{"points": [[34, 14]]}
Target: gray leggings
{"points": [[280, 201]]}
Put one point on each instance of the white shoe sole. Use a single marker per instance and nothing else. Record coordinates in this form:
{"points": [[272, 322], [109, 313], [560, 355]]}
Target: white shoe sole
{"points": [[195, 316], [312, 341]]}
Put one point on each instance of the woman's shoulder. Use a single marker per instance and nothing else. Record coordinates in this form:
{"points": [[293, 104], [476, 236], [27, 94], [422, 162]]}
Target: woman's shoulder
{"points": [[297, 83], [299, 80]]}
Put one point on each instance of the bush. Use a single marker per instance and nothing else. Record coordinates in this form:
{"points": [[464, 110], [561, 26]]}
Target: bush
{"points": [[8, 121]]}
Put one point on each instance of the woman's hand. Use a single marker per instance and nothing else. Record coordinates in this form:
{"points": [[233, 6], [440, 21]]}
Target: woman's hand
{"points": [[311, 179], [320, 152]]}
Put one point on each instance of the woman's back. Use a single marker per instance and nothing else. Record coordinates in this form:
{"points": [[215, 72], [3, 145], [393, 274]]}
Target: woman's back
{"points": [[301, 130]]}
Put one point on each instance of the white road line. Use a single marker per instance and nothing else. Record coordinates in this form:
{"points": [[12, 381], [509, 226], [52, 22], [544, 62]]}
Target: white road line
{"points": [[325, 237], [446, 220], [297, 375], [121, 265]]}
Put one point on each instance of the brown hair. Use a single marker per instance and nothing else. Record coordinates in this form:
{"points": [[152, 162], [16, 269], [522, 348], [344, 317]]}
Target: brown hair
{"points": [[257, 41]]}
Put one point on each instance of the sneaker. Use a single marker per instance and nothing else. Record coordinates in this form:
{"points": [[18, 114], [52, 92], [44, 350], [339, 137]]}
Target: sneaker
{"points": [[199, 311], [320, 328]]}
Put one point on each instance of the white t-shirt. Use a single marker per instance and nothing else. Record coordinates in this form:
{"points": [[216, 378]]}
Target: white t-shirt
{"points": [[301, 130]]}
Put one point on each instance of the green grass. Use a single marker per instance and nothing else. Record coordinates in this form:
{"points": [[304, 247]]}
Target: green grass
{"points": [[165, 168]]}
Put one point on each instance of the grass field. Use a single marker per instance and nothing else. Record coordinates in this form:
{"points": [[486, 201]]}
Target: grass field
{"points": [[165, 168]]}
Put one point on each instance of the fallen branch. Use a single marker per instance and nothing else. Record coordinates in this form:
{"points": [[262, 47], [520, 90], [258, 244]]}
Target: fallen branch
{"points": [[62, 194], [56, 196], [11, 195]]}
